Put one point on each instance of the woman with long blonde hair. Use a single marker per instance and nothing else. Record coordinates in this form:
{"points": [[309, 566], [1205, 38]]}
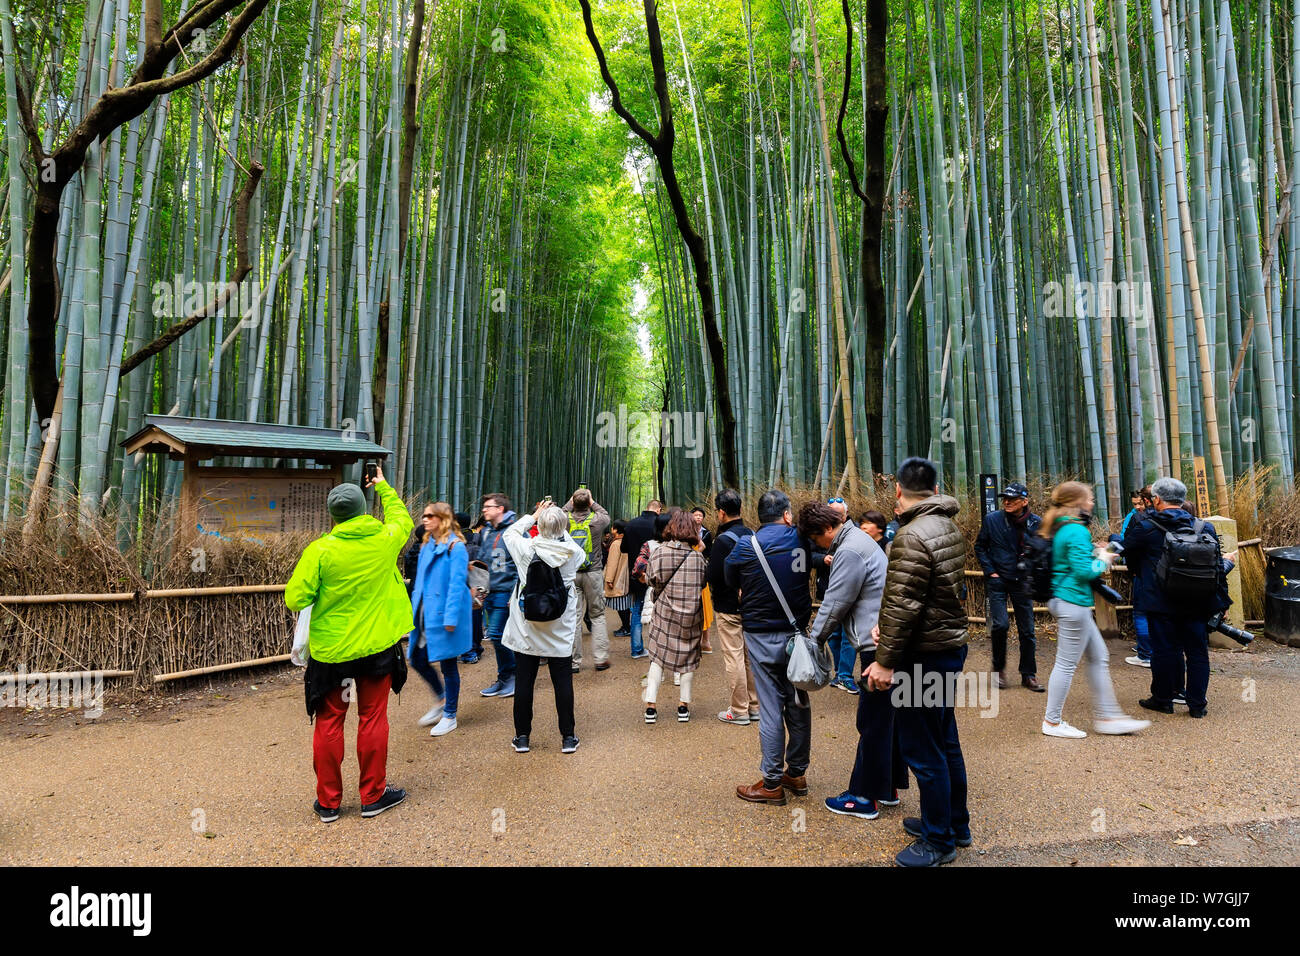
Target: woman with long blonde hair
{"points": [[1076, 563], [443, 610]]}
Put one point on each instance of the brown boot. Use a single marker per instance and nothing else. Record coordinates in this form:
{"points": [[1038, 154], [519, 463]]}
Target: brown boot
{"points": [[796, 785], [759, 793]]}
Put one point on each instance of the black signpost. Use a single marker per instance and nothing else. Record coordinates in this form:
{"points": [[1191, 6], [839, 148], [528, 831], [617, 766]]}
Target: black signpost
{"points": [[989, 493]]}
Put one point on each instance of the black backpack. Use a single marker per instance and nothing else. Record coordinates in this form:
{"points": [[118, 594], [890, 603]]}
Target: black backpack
{"points": [[1189, 566], [544, 596], [1036, 566]]}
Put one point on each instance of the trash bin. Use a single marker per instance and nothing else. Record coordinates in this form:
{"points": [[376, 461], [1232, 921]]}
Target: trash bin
{"points": [[1282, 596]]}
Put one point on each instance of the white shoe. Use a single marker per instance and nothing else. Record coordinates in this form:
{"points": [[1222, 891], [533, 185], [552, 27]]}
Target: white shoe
{"points": [[1063, 730], [1137, 662], [445, 726], [677, 679], [1120, 725], [432, 716]]}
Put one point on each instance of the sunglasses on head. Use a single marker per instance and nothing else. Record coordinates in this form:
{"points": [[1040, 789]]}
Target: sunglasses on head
{"points": [[836, 501]]}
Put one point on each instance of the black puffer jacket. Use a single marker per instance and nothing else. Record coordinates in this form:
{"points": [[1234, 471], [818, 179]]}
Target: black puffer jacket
{"points": [[923, 610]]}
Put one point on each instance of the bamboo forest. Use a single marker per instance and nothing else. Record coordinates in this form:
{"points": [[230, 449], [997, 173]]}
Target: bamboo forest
{"points": [[657, 247]]}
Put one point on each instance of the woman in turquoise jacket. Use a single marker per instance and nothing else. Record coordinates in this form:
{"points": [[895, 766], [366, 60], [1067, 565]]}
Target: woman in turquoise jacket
{"points": [[1076, 563], [443, 613]]}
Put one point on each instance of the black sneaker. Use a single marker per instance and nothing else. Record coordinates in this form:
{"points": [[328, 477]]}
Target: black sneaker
{"points": [[649, 715], [326, 815], [570, 744], [683, 713], [922, 854], [1195, 711], [520, 744], [912, 827], [391, 798]]}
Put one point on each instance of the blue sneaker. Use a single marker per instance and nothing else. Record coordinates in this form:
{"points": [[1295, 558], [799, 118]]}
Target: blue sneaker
{"points": [[849, 685], [920, 853], [850, 806], [507, 688], [495, 688], [469, 657]]}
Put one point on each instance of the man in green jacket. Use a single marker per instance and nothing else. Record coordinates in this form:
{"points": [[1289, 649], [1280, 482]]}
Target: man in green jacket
{"points": [[360, 611]]}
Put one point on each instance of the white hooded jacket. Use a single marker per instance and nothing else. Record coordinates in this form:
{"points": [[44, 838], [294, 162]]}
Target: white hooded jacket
{"points": [[542, 638]]}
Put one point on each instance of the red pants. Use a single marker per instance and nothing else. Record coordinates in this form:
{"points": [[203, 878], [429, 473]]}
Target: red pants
{"points": [[371, 694]]}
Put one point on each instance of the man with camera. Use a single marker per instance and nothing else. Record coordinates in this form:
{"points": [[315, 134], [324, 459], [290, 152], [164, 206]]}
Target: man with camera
{"points": [[1177, 563], [999, 549]]}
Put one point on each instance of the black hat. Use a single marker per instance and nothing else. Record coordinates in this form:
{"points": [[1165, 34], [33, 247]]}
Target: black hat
{"points": [[1014, 490]]}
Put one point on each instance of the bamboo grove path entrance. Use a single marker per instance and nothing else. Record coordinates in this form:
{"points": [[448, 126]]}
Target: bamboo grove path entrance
{"points": [[227, 780]]}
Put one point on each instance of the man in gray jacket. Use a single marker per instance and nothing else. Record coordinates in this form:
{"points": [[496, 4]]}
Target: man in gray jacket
{"points": [[852, 602], [587, 524]]}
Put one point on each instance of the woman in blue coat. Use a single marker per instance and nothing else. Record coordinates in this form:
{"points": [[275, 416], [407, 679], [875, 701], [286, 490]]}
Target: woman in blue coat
{"points": [[443, 613]]}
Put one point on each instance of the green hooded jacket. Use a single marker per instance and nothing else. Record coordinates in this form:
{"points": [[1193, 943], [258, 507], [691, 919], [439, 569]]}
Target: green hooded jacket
{"points": [[1074, 566], [350, 576]]}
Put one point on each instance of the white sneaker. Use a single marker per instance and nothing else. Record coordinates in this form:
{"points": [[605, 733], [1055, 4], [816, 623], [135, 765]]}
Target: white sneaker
{"points": [[1137, 662], [1120, 725], [1063, 730], [432, 716], [445, 726]]}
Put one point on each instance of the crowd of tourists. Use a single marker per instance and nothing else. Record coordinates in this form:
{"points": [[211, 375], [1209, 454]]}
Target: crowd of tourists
{"points": [[886, 602]]}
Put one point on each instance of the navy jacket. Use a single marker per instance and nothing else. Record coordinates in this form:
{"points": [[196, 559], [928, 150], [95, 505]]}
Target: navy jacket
{"points": [[999, 545], [787, 555], [637, 532], [724, 596], [1143, 541], [492, 551]]}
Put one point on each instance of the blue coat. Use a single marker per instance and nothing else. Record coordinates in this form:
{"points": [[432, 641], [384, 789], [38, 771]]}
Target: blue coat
{"points": [[441, 598], [1144, 540], [787, 553]]}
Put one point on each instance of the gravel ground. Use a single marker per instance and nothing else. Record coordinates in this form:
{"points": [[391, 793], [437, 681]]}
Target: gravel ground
{"points": [[220, 773]]}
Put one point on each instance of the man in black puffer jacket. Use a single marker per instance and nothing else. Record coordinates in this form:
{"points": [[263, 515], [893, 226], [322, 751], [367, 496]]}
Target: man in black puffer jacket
{"points": [[923, 637], [999, 548]]}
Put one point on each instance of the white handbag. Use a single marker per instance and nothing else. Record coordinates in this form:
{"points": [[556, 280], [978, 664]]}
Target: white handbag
{"points": [[301, 636]]}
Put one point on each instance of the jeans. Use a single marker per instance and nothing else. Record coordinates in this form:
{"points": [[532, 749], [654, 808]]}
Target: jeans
{"points": [[844, 655], [1140, 626], [496, 611], [1175, 642], [780, 706], [1077, 637], [561, 680], [999, 625], [879, 768], [477, 624], [450, 673], [927, 736], [637, 604]]}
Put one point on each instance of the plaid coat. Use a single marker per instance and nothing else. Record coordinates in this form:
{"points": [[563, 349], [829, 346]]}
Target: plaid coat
{"points": [[676, 576]]}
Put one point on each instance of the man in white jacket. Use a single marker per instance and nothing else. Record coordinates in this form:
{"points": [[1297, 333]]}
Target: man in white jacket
{"points": [[533, 640]]}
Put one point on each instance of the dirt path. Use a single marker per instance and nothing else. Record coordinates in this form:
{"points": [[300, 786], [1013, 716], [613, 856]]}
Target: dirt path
{"points": [[224, 777]]}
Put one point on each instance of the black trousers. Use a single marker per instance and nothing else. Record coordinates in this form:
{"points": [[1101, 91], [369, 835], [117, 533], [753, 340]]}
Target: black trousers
{"points": [[879, 768], [999, 625], [526, 667]]}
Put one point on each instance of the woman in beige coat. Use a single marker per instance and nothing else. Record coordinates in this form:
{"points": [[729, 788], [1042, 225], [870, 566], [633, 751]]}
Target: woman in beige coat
{"points": [[676, 576]]}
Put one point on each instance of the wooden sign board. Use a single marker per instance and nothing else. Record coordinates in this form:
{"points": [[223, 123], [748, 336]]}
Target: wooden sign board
{"points": [[1202, 488], [250, 502]]}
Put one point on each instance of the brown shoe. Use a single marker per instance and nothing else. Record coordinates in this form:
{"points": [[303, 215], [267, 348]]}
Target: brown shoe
{"points": [[759, 793], [1002, 680], [1032, 684], [603, 666], [796, 785]]}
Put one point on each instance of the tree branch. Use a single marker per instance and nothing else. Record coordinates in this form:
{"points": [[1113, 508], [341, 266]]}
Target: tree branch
{"points": [[844, 102], [242, 268], [619, 108]]}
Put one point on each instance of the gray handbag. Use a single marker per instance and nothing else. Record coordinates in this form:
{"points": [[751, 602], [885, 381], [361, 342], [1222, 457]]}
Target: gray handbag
{"points": [[810, 666]]}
